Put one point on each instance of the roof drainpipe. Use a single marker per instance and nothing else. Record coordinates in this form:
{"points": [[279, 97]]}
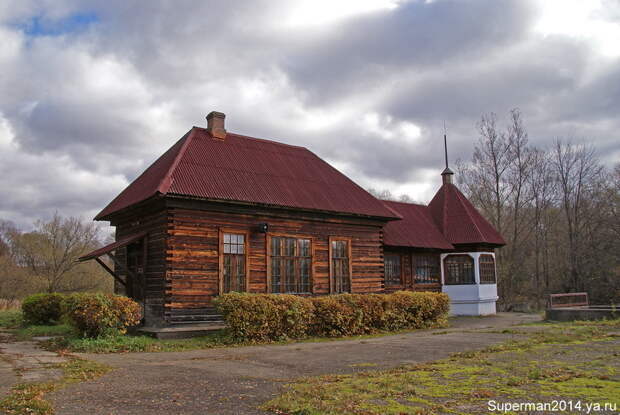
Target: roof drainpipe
{"points": [[215, 124]]}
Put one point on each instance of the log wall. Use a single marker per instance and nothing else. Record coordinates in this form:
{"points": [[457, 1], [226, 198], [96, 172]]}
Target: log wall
{"points": [[192, 252]]}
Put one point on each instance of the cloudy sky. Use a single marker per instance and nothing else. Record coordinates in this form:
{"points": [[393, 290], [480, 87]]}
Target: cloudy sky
{"points": [[93, 91]]}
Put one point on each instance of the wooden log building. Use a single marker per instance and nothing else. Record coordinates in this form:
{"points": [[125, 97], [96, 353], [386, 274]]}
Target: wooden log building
{"points": [[221, 212]]}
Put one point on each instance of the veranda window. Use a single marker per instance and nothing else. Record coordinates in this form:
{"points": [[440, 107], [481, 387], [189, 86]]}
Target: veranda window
{"points": [[487, 269], [392, 270], [291, 262], [426, 269], [459, 270], [234, 262], [340, 265]]}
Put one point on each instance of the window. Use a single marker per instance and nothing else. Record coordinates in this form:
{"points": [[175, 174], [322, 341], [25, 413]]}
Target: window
{"points": [[234, 262], [459, 270], [291, 262], [392, 270], [426, 269], [340, 266], [487, 269]]}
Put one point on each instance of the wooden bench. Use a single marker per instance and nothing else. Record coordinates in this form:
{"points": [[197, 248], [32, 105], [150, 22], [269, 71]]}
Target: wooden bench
{"points": [[568, 300]]}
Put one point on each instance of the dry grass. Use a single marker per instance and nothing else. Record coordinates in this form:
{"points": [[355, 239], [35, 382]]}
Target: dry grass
{"points": [[9, 304]]}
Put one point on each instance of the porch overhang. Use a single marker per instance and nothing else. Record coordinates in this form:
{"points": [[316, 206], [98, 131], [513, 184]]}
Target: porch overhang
{"points": [[107, 250], [112, 247]]}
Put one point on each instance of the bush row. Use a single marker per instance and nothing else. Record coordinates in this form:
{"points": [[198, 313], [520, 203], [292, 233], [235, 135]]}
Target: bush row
{"points": [[92, 315], [264, 317]]}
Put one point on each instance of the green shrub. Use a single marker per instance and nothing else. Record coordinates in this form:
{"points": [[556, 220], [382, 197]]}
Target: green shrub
{"points": [[97, 315], [260, 317], [42, 309], [263, 317]]}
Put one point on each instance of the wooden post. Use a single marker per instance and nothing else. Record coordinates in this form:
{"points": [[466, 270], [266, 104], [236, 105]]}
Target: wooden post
{"points": [[116, 277]]}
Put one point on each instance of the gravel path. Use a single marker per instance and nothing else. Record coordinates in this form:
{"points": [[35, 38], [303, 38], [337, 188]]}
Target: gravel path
{"points": [[238, 380]]}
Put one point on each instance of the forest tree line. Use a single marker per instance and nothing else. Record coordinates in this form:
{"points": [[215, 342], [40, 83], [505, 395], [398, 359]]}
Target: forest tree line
{"points": [[557, 208]]}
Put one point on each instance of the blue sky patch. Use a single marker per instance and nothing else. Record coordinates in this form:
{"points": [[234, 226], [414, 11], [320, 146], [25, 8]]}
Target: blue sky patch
{"points": [[42, 26]]}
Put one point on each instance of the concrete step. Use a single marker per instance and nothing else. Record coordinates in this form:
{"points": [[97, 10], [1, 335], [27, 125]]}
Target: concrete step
{"points": [[187, 330]]}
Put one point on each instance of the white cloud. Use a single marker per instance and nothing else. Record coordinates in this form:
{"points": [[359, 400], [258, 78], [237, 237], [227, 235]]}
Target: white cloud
{"points": [[365, 84], [581, 19]]}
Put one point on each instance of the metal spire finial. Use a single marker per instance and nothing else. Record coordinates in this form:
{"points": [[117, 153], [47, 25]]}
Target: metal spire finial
{"points": [[445, 142], [447, 173]]}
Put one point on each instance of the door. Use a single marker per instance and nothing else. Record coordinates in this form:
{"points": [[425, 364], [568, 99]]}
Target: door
{"points": [[135, 276]]}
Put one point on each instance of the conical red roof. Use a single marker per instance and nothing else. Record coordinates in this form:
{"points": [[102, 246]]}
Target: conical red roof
{"points": [[459, 221]]}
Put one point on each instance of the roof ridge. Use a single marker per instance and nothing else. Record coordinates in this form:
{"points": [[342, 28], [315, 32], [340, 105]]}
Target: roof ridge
{"points": [[248, 137], [405, 203], [166, 181]]}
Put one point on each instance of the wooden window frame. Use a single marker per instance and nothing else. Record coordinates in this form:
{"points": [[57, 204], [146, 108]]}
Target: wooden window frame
{"points": [[483, 281], [400, 266], [331, 264], [473, 269], [246, 249], [268, 238], [414, 266]]}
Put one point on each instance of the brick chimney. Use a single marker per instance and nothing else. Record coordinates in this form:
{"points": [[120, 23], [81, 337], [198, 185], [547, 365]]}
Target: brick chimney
{"points": [[215, 124]]}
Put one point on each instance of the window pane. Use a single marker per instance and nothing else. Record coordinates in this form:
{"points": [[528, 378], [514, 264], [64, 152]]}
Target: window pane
{"points": [[459, 270], [392, 269], [340, 266], [427, 270], [275, 246], [289, 247], [290, 265], [304, 247], [487, 269]]}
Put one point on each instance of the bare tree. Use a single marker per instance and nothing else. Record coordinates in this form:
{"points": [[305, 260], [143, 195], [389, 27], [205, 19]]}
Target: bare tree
{"points": [[51, 250], [542, 184], [578, 172], [556, 209]]}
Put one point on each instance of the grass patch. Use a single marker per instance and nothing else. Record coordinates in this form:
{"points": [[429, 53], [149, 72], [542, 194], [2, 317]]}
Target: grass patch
{"points": [[558, 361], [29, 398], [134, 343], [28, 332], [141, 343], [11, 318]]}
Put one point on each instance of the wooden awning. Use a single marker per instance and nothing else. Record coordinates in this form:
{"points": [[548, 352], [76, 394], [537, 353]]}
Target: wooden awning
{"points": [[111, 247]]}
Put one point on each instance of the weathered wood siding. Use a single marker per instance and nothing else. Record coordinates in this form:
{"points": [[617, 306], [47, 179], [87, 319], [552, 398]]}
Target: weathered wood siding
{"points": [[192, 255], [152, 219]]}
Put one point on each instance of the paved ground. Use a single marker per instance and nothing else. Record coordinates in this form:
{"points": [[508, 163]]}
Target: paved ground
{"points": [[237, 380], [23, 362]]}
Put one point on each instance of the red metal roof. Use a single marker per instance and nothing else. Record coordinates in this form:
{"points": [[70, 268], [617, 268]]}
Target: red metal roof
{"points": [[111, 247], [246, 169], [459, 221], [417, 228]]}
